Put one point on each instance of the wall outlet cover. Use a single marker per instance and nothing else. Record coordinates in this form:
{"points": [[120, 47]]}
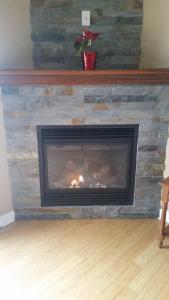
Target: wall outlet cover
{"points": [[85, 17]]}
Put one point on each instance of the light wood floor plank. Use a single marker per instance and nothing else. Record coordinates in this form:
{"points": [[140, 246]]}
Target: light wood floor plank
{"points": [[126, 294], [83, 259]]}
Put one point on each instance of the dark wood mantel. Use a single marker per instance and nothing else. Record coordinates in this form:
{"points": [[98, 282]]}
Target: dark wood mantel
{"points": [[54, 77]]}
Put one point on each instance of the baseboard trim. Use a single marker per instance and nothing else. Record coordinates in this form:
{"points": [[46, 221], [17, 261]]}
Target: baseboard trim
{"points": [[7, 219]]}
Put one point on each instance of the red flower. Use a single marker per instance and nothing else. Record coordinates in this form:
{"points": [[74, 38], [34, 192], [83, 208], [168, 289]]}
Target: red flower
{"points": [[85, 41], [78, 40], [90, 35]]}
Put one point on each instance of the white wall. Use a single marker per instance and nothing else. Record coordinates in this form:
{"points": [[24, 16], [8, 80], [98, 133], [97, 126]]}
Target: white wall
{"points": [[15, 53], [155, 37], [15, 34], [155, 41], [5, 189]]}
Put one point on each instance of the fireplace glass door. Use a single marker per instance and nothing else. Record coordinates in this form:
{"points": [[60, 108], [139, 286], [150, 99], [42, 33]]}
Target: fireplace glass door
{"points": [[77, 166], [87, 165]]}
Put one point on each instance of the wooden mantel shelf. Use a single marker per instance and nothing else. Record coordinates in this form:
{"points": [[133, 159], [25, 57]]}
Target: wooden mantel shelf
{"points": [[55, 77]]}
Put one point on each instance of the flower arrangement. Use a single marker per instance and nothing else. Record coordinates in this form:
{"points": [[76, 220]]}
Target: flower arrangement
{"points": [[85, 41]]}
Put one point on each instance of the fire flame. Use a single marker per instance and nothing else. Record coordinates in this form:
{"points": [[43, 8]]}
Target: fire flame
{"points": [[74, 182], [77, 182], [81, 179]]}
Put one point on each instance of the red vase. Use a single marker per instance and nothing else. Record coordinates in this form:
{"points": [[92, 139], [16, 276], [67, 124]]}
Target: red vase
{"points": [[89, 60]]}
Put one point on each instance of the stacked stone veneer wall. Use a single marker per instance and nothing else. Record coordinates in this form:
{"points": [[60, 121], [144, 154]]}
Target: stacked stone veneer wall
{"points": [[56, 24], [26, 107]]}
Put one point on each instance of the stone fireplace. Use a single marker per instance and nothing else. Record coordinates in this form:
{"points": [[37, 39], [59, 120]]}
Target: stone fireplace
{"points": [[26, 107], [87, 165]]}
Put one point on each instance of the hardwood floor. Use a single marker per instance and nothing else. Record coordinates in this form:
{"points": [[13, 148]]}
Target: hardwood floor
{"points": [[83, 259]]}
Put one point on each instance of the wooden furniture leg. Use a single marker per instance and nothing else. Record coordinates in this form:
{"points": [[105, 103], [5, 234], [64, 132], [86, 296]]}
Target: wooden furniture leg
{"points": [[164, 204]]}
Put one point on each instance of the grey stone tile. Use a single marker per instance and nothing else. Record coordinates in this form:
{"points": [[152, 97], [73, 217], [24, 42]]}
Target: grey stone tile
{"points": [[58, 22], [27, 107]]}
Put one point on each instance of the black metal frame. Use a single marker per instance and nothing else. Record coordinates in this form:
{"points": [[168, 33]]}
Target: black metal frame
{"points": [[79, 135]]}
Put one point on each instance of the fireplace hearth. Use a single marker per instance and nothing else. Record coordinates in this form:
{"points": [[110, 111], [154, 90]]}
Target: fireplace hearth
{"points": [[87, 165]]}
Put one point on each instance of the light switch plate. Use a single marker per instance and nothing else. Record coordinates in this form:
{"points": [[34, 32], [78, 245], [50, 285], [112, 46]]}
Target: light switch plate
{"points": [[85, 17]]}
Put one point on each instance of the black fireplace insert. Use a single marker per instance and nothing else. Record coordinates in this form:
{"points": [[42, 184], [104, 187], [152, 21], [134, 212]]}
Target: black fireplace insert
{"points": [[87, 165]]}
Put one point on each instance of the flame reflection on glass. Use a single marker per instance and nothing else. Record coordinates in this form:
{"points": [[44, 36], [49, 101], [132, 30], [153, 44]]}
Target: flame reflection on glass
{"points": [[76, 183]]}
